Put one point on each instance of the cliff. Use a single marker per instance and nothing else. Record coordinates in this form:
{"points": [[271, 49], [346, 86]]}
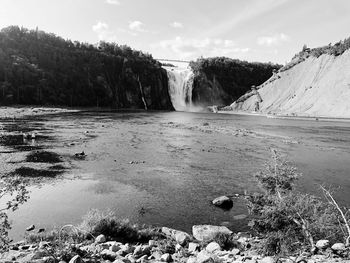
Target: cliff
{"points": [[315, 83], [220, 80]]}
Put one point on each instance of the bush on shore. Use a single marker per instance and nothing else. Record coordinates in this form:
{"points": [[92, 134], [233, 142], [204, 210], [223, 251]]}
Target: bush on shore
{"points": [[288, 220], [14, 190], [97, 222]]}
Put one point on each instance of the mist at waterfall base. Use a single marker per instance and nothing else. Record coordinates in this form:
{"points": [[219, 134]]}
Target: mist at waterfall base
{"points": [[181, 79]]}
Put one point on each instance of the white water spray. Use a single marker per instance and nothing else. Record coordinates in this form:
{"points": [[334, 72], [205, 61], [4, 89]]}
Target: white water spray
{"points": [[180, 87]]}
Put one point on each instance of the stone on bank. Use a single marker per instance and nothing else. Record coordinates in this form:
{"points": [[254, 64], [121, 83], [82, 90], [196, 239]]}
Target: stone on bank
{"points": [[223, 202], [208, 232]]}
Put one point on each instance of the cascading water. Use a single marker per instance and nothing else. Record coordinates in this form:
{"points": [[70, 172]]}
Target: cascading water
{"points": [[180, 87]]}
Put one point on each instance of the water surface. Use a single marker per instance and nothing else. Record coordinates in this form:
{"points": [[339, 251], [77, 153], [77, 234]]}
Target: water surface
{"points": [[164, 168]]}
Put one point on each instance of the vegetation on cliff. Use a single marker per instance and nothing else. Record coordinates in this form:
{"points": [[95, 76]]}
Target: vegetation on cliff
{"points": [[221, 80], [334, 50], [44, 69]]}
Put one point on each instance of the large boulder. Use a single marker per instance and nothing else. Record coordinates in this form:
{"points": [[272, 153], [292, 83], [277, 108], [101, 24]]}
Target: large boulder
{"points": [[208, 232], [338, 247], [322, 244], [180, 237], [223, 202]]}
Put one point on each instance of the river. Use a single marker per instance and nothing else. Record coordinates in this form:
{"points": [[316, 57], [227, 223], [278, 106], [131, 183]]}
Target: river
{"points": [[164, 168]]}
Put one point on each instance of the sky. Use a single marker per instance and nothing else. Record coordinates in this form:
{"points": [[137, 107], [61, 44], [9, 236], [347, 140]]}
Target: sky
{"points": [[252, 30]]}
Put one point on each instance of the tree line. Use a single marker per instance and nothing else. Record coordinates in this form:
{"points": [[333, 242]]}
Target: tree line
{"points": [[42, 68]]}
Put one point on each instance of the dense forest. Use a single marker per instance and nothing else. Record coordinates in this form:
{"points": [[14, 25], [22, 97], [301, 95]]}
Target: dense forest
{"points": [[44, 69], [222, 80]]}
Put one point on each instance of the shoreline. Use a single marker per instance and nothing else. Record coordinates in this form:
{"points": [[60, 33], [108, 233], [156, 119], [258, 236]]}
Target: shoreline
{"points": [[18, 111], [287, 117], [206, 244]]}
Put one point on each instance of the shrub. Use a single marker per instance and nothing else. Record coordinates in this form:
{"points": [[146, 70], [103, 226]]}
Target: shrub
{"points": [[14, 190], [96, 222], [289, 220], [226, 241]]}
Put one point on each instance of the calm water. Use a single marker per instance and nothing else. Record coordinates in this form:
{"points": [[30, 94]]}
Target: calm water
{"points": [[164, 168]]}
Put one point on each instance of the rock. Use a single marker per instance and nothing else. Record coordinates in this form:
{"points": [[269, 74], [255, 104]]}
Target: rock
{"points": [[24, 247], [142, 259], [206, 257], [76, 259], [100, 239], [108, 254], [191, 260], [181, 237], [130, 259], [178, 247], [122, 260], [322, 244], [267, 260], [142, 250], [208, 232], [166, 257], [212, 247], [338, 247], [41, 230], [114, 247], [223, 202], [221, 253], [44, 244], [235, 251], [126, 249], [39, 254], [152, 243], [192, 247], [30, 228]]}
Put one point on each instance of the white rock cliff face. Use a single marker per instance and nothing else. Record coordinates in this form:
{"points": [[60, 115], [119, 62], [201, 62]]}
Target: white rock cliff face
{"points": [[317, 87]]}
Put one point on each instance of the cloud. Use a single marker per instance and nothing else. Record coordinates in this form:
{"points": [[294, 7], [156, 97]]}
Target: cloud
{"points": [[137, 26], [113, 2], [185, 48], [103, 32], [272, 40], [250, 11], [100, 26], [176, 24]]}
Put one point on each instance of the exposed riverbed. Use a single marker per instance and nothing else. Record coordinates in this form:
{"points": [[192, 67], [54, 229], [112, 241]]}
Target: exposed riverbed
{"points": [[163, 168]]}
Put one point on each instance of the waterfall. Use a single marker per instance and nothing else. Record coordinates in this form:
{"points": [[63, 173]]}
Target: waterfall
{"points": [[180, 87]]}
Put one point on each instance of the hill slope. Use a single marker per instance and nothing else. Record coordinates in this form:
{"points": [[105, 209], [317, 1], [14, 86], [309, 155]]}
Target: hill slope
{"points": [[315, 83]]}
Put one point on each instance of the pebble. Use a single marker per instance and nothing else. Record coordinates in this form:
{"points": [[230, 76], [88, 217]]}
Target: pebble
{"points": [[100, 239], [30, 228]]}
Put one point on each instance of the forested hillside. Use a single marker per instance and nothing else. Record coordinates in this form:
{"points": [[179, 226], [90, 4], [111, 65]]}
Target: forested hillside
{"points": [[221, 80], [44, 69]]}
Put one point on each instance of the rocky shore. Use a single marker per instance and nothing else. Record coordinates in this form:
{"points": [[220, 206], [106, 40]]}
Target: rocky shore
{"points": [[206, 245]]}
